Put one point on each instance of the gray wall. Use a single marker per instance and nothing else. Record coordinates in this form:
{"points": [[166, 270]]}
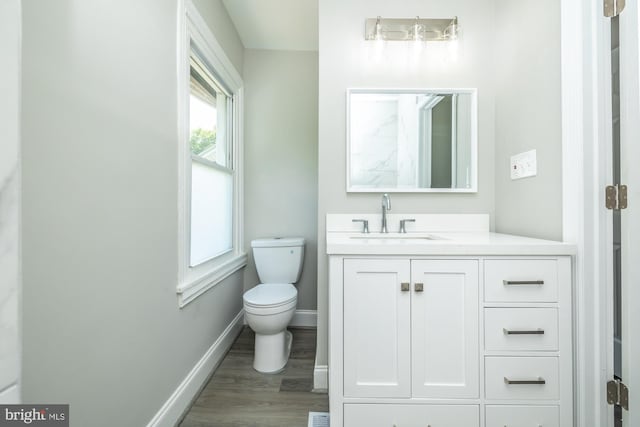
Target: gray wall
{"points": [[102, 327], [9, 199], [346, 60], [528, 116], [281, 156]]}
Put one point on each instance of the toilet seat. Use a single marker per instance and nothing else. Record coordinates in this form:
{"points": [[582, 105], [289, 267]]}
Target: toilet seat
{"points": [[270, 298], [269, 311]]}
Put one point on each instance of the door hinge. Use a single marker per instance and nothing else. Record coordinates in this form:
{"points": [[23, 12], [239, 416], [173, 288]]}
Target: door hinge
{"points": [[616, 197], [618, 394], [613, 7]]}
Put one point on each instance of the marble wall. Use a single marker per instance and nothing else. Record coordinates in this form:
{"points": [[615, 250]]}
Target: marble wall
{"points": [[9, 267], [9, 200], [375, 140]]}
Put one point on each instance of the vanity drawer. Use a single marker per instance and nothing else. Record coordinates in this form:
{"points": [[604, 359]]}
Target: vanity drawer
{"points": [[522, 416], [521, 280], [521, 329], [382, 415], [521, 378]]}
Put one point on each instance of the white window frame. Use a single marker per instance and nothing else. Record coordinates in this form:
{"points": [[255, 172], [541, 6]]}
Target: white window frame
{"points": [[195, 281]]}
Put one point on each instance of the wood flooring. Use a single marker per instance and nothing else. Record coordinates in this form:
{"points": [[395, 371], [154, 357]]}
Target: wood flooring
{"points": [[238, 396]]}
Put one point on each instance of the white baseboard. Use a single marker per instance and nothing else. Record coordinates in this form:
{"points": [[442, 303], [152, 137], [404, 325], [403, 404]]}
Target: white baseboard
{"points": [[304, 319], [181, 399], [320, 378], [10, 395]]}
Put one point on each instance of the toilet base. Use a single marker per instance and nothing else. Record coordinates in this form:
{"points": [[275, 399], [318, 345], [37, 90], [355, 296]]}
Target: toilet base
{"points": [[272, 352]]}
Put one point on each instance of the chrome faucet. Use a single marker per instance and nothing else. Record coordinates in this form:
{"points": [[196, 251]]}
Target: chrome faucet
{"points": [[386, 206]]}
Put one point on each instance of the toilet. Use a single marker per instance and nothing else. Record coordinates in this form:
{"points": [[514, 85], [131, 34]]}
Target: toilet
{"points": [[269, 306]]}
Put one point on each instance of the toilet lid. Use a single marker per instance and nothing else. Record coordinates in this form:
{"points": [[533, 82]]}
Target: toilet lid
{"points": [[277, 242], [271, 294]]}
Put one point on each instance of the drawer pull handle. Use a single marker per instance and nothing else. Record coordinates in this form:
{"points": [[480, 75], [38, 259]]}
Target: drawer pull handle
{"points": [[419, 287], [404, 287], [522, 282], [538, 381], [523, 332]]}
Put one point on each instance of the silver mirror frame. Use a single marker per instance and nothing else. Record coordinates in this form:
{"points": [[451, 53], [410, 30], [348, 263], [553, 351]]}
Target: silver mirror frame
{"points": [[474, 140]]}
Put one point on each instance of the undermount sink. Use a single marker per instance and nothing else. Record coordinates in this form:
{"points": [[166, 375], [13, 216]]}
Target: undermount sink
{"points": [[397, 236]]}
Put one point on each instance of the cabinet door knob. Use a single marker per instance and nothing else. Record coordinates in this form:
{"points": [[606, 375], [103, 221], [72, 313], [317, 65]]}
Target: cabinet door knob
{"points": [[419, 287], [404, 286]]}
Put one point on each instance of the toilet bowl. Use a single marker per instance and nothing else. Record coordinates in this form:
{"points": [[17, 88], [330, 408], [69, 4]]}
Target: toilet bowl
{"points": [[269, 306], [268, 310]]}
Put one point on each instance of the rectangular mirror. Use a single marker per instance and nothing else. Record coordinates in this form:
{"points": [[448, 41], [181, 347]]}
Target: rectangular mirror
{"points": [[412, 140]]}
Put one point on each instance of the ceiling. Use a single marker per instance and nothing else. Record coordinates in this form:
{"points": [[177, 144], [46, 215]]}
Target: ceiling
{"points": [[276, 24]]}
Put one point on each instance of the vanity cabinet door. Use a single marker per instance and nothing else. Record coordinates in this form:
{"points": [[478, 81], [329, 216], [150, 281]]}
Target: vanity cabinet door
{"points": [[390, 415], [377, 330], [445, 328], [522, 416]]}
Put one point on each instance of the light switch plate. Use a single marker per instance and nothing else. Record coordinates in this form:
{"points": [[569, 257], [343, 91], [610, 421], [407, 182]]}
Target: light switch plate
{"points": [[524, 165]]}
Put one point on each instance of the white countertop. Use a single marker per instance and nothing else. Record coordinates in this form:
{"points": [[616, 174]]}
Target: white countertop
{"points": [[445, 243], [432, 234]]}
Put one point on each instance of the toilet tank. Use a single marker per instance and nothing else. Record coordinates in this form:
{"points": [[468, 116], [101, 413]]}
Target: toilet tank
{"points": [[278, 259]]}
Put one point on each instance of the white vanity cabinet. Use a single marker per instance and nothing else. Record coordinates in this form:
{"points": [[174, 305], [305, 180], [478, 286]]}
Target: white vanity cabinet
{"points": [[447, 325], [473, 341], [411, 328]]}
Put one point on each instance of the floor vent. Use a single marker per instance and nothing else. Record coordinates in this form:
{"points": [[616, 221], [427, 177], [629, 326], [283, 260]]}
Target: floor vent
{"points": [[318, 419]]}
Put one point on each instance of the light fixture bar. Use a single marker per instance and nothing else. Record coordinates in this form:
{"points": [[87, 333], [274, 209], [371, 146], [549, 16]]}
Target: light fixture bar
{"points": [[404, 29]]}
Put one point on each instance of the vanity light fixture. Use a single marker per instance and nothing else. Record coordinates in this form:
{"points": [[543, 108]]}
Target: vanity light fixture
{"points": [[411, 29]]}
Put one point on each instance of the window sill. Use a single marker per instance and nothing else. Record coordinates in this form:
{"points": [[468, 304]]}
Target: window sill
{"points": [[192, 289]]}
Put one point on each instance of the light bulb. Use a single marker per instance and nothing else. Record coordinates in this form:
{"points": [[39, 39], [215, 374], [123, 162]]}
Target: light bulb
{"points": [[451, 32], [377, 35], [416, 30]]}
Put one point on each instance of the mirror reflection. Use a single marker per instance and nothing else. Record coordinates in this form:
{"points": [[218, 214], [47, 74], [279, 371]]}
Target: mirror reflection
{"points": [[407, 141]]}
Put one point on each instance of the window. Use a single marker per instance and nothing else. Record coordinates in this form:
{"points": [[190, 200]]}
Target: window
{"points": [[210, 211], [210, 122]]}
